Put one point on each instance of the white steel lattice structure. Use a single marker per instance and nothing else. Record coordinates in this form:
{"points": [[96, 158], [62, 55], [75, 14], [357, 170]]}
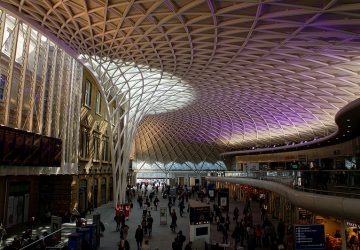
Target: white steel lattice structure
{"points": [[250, 73]]}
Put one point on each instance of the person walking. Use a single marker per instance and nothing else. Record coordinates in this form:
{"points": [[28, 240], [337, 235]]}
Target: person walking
{"points": [[156, 202], [123, 245], [169, 206], [139, 237], [146, 245], [144, 225], [181, 207], [188, 246], [180, 238], [124, 231], [149, 221], [236, 214], [118, 222], [173, 220]]}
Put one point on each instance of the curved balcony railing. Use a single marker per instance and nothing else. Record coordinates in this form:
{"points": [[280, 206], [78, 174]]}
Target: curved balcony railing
{"points": [[330, 182]]}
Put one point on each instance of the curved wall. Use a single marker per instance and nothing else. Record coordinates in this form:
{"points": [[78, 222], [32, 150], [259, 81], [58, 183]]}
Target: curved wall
{"points": [[339, 207]]}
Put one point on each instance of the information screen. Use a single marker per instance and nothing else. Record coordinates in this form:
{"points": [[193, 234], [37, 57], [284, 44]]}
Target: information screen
{"points": [[199, 215], [308, 237], [201, 231]]}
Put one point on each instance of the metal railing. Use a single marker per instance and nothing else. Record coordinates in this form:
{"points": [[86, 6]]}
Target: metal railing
{"points": [[39, 241], [332, 182]]}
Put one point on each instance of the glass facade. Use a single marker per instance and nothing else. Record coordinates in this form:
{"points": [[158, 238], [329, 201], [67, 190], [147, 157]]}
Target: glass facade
{"points": [[40, 86]]}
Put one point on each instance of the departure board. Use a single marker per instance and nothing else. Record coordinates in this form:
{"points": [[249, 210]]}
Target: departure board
{"points": [[309, 237]]}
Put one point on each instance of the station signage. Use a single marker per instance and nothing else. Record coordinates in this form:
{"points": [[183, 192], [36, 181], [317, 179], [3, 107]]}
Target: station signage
{"points": [[309, 237]]}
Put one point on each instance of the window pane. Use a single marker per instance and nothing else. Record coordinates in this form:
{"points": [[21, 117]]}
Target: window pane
{"points": [[87, 93], [98, 102]]}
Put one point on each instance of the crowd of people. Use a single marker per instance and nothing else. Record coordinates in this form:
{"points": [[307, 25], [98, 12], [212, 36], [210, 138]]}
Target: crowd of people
{"points": [[148, 201]]}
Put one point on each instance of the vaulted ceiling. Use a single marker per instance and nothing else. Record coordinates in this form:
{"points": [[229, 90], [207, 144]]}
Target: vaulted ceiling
{"points": [[261, 73]]}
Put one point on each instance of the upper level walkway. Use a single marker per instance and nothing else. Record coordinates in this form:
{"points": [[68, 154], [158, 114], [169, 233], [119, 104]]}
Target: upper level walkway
{"points": [[332, 193], [334, 182]]}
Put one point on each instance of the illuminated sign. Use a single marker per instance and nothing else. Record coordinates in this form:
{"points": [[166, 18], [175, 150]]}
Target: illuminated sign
{"points": [[309, 237]]}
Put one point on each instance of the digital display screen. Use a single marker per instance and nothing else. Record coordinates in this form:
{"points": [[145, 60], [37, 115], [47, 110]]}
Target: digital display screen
{"points": [[309, 237], [199, 215], [201, 231]]}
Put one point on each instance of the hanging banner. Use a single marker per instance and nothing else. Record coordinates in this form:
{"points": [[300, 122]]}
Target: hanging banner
{"points": [[163, 215]]}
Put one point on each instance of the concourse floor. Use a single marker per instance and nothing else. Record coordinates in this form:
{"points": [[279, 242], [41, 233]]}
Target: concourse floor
{"points": [[162, 237]]}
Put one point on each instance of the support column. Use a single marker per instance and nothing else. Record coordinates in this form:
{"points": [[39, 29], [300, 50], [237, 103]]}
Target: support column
{"points": [[342, 233], [198, 176]]}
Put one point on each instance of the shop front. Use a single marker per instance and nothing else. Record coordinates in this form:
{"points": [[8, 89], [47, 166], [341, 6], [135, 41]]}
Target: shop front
{"points": [[103, 190], [82, 195], [95, 192]]}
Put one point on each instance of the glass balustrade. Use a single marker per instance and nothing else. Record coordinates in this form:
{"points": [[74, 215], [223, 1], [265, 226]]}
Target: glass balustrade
{"points": [[330, 182]]}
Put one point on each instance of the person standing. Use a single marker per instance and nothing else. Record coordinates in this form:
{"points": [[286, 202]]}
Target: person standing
{"points": [[139, 237]]}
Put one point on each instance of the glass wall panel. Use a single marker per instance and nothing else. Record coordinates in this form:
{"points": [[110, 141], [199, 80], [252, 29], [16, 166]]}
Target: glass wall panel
{"points": [[40, 86]]}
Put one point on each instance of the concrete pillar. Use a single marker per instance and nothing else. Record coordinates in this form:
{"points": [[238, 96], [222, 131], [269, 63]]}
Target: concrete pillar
{"points": [[342, 233], [167, 178]]}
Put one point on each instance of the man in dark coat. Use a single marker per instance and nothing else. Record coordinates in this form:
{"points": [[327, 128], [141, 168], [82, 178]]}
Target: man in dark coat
{"points": [[139, 237]]}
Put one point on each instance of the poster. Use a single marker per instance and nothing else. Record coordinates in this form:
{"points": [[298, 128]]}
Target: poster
{"points": [[211, 193], [163, 215], [223, 201]]}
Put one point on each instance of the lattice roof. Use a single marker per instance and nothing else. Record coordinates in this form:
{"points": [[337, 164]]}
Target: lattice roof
{"points": [[260, 72]]}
